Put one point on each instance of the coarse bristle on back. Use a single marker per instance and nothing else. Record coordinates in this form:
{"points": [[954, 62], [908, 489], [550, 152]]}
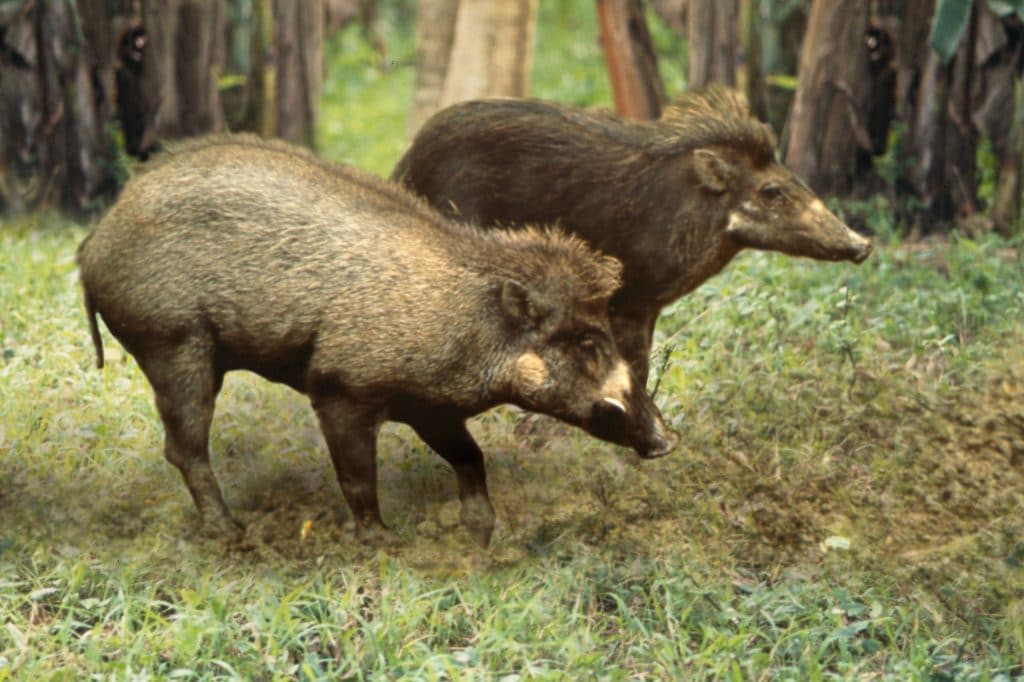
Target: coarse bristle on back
{"points": [[175, 148], [532, 254], [545, 254], [385, 191], [715, 116]]}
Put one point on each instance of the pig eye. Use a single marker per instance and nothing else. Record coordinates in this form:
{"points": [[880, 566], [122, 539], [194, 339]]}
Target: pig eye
{"points": [[770, 192], [588, 343]]}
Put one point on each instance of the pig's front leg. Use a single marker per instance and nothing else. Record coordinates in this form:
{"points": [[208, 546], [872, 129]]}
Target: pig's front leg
{"points": [[351, 433], [448, 437]]}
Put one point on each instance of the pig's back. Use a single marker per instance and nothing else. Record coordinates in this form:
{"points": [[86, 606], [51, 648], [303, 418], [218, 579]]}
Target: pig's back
{"points": [[267, 245]]}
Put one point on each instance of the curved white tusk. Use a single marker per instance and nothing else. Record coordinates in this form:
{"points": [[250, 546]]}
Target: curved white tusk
{"points": [[616, 404]]}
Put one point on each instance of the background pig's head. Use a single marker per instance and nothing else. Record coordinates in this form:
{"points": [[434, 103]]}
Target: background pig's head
{"points": [[772, 209], [561, 357], [761, 204]]}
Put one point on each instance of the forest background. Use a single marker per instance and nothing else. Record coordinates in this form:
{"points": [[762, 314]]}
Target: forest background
{"points": [[917, 102]]}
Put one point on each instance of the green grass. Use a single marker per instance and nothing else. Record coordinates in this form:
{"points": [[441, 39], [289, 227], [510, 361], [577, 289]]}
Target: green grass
{"points": [[846, 502], [714, 562]]}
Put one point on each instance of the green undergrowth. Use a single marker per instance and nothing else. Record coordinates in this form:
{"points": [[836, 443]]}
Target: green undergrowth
{"points": [[846, 501]]}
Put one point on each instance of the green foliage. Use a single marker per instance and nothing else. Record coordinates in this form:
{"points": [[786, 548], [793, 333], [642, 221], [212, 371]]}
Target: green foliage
{"points": [[366, 101], [1006, 7], [952, 16], [672, 53], [988, 172], [891, 164], [948, 26], [569, 70]]}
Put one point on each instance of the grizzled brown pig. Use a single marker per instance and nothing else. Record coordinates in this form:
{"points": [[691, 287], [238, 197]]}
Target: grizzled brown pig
{"points": [[673, 199], [232, 253]]}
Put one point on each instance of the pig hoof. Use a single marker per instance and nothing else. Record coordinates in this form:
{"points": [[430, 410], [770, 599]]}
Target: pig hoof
{"points": [[224, 527], [478, 518], [379, 536], [481, 535]]}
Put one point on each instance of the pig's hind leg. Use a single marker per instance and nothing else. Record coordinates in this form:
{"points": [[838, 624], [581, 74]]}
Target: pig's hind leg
{"points": [[449, 438], [186, 384]]}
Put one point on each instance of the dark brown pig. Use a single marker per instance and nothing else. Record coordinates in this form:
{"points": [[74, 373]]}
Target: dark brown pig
{"points": [[673, 199], [231, 253]]}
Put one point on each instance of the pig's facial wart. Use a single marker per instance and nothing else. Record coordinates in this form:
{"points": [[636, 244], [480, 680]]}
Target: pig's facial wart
{"points": [[735, 219], [531, 371]]}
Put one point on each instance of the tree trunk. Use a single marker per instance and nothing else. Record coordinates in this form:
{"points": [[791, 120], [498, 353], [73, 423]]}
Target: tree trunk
{"points": [[1006, 207], [55, 149], [98, 38], [913, 49], [753, 81], [632, 63], [286, 69], [671, 12], [943, 141], [491, 51], [961, 138], [948, 109], [299, 32], [337, 13], [826, 126], [181, 68], [713, 28], [996, 107], [435, 31], [261, 110]]}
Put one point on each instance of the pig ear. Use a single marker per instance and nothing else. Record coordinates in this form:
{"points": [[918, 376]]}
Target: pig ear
{"points": [[518, 305], [713, 171]]}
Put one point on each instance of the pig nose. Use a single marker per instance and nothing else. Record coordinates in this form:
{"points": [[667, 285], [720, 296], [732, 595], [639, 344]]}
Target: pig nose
{"points": [[859, 246], [663, 442], [865, 250]]}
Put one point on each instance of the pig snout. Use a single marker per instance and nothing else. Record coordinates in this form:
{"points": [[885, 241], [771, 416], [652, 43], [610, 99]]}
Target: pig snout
{"points": [[839, 241], [635, 423], [851, 245], [662, 441], [861, 250]]}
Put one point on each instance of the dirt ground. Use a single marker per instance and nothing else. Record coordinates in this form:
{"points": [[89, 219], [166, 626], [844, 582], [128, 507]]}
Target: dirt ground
{"points": [[945, 511], [951, 511]]}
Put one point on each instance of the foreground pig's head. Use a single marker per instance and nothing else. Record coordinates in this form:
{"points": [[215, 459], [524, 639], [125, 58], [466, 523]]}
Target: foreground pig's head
{"points": [[763, 204], [562, 358]]}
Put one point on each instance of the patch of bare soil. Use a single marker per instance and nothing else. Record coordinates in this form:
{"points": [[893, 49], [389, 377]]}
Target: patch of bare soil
{"points": [[971, 471], [952, 500], [937, 492]]}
